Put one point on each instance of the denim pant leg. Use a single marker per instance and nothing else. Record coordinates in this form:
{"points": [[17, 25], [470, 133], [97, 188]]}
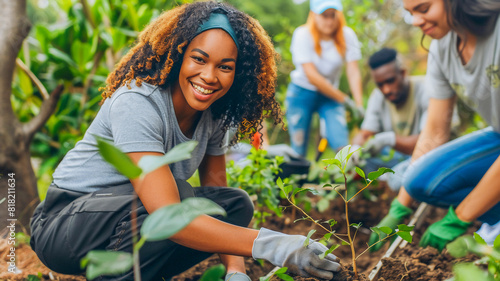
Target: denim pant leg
{"points": [[300, 106], [447, 174], [332, 118], [165, 259]]}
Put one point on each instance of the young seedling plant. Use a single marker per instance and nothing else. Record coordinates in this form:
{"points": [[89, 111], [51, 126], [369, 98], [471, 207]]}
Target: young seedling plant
{"points": [[161, 224], [341, 161], [490, 257], [257, 178]]}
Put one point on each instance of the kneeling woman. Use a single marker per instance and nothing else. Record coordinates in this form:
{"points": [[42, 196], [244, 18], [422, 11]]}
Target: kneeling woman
{"points": [[196, 71]]}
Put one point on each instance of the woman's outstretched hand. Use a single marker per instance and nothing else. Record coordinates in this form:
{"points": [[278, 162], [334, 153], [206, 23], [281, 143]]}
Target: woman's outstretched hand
{"points": [[289, 251]]}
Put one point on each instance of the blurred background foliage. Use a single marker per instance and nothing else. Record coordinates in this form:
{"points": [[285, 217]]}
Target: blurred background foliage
{"points": [[77, 43]]}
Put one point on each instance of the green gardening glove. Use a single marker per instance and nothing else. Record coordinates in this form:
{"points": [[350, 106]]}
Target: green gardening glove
{"points": [[444, 231], [397, 213]]}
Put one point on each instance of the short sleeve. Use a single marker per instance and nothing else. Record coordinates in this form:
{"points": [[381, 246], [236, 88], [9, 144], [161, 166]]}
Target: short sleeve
{"points": [[353, 49], [302, 46], [136, 125], [215, 145], [372, 120], [437, 85]]}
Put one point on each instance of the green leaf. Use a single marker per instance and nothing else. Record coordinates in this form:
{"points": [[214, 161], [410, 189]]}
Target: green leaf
{"points": [[360, 172], [460, 247], [479, 239], [281, 270], [55, 53], [25, 83], [468, 272], [332, 222], [106, 263], [311, 232], [279, 182], [376, 174], [343, 154], [118, 159], [345, 243], [32, 277], [327, 236], [170, 219], [405, 235], [214, 273], [356, 225], [496, 243], [284, 276], [325, 253], [376, 230], [178, 153], [335, 162], [404, 227], [386, 230]]}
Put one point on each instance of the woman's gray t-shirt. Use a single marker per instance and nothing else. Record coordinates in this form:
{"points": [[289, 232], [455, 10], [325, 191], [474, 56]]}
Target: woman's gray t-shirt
{"points": [[140, 119], [477, 83]]}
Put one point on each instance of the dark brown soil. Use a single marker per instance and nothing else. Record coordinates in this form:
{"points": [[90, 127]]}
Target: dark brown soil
{"points": [[418, 264], [345, 274]]}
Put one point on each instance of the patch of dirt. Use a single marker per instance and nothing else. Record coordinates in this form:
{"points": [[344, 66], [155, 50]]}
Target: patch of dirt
{"points": [[413, 263], [29, 264]]}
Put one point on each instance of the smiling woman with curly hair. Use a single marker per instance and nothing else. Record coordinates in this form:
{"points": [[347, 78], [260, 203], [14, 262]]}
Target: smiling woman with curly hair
{"points": [[158, 55], [194, 73]]}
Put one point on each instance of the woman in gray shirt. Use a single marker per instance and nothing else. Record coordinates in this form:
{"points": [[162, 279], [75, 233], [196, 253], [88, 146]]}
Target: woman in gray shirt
{"points": [[463, 63], [196, 71]]}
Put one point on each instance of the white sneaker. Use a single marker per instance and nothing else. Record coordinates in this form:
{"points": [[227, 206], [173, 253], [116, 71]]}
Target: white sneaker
{"points": [[489, 232]]}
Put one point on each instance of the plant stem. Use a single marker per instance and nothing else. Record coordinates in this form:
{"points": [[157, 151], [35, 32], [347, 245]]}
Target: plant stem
{"points": [[353, 251], [135, 251], [387, 237], [309, 217], [358, 191]]}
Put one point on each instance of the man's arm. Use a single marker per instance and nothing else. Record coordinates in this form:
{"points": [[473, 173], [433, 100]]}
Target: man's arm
{"points": [[362, 136]]}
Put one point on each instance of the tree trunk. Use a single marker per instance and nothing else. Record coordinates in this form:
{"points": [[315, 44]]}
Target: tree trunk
{"points": [[14, 144], [17, 179]]}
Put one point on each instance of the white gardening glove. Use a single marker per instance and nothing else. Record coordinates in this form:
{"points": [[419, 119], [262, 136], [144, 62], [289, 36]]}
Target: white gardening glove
{"points": [[282, 150], [237, 276], [288, 251], [379, 141], [358, 111]]}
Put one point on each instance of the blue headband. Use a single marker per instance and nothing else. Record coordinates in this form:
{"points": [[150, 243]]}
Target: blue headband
{"points": [[218, 19]]}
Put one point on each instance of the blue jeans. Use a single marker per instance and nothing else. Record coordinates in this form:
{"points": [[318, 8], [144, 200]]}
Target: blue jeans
{"points": [[301, 104], [447, 174]]}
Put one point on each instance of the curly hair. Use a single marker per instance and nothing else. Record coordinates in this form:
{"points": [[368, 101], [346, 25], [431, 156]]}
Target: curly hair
{"points": [[157, 57]]}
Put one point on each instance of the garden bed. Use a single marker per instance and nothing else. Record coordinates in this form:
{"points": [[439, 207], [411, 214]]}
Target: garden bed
{"points": [[418, 264], [361, 210]]}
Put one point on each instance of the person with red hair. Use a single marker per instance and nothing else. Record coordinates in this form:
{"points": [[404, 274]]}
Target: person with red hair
{"points": [[320, 49]]}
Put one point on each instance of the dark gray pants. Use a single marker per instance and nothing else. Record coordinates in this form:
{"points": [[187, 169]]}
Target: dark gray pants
{"points": [[67, 225]]}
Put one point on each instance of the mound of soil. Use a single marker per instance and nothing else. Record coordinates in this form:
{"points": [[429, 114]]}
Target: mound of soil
{"points": [[418, 264]]}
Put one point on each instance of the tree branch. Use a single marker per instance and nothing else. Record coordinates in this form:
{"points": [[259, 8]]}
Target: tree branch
{"points": [[39, 85], [48, 107]]}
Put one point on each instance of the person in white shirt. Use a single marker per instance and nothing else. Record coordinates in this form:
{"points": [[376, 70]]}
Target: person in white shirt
{"points": [[320, 49]]}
